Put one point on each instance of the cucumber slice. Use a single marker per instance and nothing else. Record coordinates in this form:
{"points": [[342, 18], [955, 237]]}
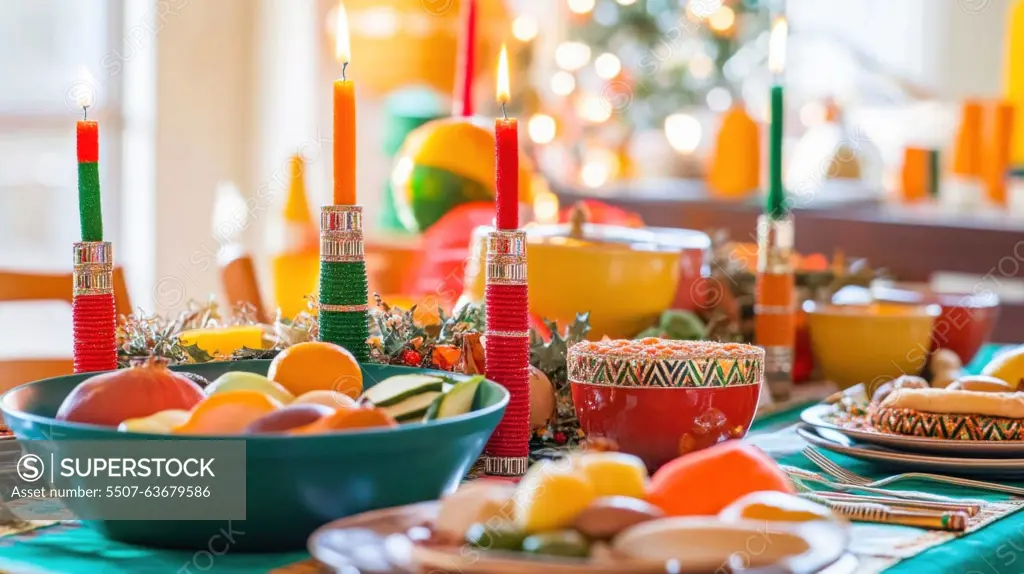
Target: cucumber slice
{"points": [[457, 401], [394, 390], [414, 407]]}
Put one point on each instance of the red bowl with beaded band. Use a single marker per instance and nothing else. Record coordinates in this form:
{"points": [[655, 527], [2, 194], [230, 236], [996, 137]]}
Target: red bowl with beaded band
{"points": [[658, 399]]}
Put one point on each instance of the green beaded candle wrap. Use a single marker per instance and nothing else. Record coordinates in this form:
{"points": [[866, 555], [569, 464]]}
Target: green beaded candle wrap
{"points": [[343, 288], [345, 284], [89, 201]]}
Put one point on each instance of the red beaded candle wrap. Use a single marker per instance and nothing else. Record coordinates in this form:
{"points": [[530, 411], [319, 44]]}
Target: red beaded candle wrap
{"points": [[507, 357], [93, 315]]}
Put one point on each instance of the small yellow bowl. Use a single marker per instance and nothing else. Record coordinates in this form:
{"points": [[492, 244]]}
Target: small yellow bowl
{"points": [[872, 343]]}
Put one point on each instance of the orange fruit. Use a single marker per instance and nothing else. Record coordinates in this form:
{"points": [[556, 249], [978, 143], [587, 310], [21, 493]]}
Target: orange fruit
{"points": [[345, 419], [709, 480], [227, 413], [317, 366]]}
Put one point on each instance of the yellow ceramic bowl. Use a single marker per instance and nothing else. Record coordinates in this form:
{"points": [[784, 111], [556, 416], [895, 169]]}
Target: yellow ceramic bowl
{"points": [[872, 343], [625, 277]]}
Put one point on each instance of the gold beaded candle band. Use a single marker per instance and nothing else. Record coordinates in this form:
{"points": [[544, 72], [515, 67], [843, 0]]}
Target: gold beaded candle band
{"points": [[94, 268], [506, 257], [341, 233], [506, 465]]}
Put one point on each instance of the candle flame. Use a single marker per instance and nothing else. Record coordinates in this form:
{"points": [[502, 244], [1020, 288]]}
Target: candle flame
{"points": [[777, 45], [84, 99], [342, 51], [503, 89]]}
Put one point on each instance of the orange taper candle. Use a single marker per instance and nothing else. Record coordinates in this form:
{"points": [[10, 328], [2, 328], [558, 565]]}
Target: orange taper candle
{"points": [[997, 158], [344, 119], [968, 150]]}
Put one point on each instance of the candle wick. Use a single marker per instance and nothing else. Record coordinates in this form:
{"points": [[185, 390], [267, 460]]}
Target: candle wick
{"points": [[344, 66], [503, 111], [85, 113]]}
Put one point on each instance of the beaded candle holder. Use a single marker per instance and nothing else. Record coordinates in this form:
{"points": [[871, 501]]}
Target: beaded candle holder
{"points": [[508, 350], [94, 319], [343, 291], [93, 314], [775, 303]]}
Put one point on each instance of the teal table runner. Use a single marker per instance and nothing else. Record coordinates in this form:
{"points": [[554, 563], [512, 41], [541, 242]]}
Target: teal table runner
{"points": [[72, 548]]}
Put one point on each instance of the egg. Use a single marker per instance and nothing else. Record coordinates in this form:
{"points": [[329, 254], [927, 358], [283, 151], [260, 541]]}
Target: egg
{"points": [[775, 507]]}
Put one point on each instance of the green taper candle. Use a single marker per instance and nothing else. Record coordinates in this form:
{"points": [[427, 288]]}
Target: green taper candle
{"points": [[776, 205]]}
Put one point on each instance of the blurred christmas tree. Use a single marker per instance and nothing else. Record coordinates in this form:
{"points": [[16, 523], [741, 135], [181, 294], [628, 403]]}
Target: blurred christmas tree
{"points": [[668, 54], [630, 67]]}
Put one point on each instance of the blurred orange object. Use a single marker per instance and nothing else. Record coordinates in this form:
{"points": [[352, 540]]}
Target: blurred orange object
{"points": [[427, 307], [735, 168], [707, 481], [967, 153], [915, 174], [813, 262], [601, 212], [393, 263], [997, 156], [399, 43], [239, 284], [746, 255], [295, 268], [227, 413]]}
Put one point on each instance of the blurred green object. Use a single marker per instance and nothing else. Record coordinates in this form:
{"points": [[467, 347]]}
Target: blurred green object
{"points": [[294, 484], [404, 111], [679, 325]]}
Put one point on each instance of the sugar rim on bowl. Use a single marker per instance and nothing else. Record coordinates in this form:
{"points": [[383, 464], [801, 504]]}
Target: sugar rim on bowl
{"points": [[667, 349]]}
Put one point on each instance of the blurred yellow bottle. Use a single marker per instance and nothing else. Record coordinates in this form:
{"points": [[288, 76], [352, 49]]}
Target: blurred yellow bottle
{"points": [[296, 266], [1014, 79]]}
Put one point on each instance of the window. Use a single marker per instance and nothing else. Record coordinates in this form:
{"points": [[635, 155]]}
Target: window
{"points": [[55, 50]]}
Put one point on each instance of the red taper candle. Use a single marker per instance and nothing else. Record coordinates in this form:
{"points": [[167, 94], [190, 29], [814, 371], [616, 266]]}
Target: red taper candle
{"points": [[506, 153], [467, 61]]}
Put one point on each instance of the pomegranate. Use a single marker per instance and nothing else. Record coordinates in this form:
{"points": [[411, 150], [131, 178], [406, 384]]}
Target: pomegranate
{"points": [[141, 390]]}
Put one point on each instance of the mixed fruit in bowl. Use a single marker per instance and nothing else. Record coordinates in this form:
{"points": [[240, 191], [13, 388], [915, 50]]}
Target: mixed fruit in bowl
{"points": [[310, 388], [603, 507]]}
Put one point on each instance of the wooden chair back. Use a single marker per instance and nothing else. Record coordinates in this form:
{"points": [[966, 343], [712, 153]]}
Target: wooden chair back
{"points": [[25, 286]]}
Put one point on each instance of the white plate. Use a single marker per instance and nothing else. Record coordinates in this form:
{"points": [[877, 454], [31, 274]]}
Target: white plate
{"points": [[1005, 468], [816, 416], [382, 541]]}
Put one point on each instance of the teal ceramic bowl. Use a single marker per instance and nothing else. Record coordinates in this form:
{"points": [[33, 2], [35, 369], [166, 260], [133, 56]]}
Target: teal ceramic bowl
{"points": [[293, 484]]}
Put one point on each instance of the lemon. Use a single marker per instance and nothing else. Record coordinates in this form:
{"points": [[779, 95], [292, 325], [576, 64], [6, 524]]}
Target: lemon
{"points": [[1008, 366], [551, 495], [615, 474]]}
